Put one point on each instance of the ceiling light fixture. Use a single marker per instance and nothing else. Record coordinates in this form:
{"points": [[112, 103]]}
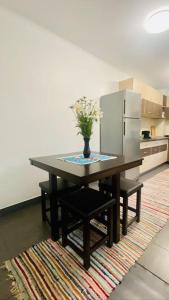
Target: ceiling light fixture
{"points": [[157, 21]]}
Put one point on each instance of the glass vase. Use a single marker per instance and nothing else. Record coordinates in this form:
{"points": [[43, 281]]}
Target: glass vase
{"points": [[86, 151]]}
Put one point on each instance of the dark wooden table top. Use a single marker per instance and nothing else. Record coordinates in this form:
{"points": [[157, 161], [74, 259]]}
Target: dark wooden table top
{"points": [[84, 174]]}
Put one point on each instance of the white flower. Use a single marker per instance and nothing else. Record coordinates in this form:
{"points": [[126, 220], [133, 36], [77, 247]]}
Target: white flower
{"points": [[86, 112]]}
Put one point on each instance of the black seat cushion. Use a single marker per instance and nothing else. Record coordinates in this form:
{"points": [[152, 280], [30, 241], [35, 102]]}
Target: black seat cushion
{"points": [[87, 202], [63, 186], [127, 186]]}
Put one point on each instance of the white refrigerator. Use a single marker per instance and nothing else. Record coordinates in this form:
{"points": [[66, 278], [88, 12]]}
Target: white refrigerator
{"points": [[120, 126]]}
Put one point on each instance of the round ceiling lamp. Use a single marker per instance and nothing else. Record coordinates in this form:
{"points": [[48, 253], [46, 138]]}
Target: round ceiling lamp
{"points": [[157, 21]]}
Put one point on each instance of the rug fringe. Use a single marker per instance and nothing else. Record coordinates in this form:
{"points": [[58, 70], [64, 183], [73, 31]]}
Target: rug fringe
{"points": [[3, 267], [15, 291]]}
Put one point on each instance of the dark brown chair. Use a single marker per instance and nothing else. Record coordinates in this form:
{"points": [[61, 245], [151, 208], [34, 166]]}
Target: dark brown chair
{"points": [[86, 205], [127, 188], [63, 187]]}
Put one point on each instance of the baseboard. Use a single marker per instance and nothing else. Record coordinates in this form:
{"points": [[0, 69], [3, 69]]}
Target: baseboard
{"points": [[18, 206]]}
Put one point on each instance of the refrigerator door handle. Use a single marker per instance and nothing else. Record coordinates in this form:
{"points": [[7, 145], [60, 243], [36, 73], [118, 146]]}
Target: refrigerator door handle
{"points": [[124, 128], [124, 103]]}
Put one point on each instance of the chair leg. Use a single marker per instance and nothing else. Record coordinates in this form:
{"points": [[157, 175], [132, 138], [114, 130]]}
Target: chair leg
{"points": [[64, 218], [100, 188], [125, 215], [138, 205], [86, 243], [43, 206], [110, 227]]}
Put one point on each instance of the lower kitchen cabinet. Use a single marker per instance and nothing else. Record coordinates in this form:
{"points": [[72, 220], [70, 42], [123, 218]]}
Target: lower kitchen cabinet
{"points": [[154, 153]]}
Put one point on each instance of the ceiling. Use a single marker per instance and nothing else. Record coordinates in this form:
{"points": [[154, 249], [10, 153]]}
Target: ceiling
{"points": [[110, 29]]}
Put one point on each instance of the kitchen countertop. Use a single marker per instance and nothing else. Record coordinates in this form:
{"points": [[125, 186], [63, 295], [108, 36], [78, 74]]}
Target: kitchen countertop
{"points": [[157, 138]]}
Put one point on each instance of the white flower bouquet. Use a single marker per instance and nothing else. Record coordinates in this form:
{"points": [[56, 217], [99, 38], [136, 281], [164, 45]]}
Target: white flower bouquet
{"points": [[87, 112]]}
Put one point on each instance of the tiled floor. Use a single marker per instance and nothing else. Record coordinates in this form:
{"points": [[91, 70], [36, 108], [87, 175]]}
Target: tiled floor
{"points": [[147, 280]]}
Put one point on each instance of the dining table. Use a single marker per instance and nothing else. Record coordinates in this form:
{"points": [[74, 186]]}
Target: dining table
{"points": [[83, 175]]}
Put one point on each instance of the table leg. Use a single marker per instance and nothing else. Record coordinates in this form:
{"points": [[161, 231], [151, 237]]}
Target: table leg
{"points": [[53, 207], [116, 210]]}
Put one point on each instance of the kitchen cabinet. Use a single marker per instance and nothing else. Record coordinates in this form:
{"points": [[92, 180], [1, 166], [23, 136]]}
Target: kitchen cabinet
{"points": [[154, 153], [165, 100], [163, 148], [157, 110], [151, 109], [156, 149], [147, 92], [166, 112], [146, 152], [166, 106]]}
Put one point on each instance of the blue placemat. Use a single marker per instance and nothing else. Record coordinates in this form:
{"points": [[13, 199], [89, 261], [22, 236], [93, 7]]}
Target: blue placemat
{"points": [[80, 160]]}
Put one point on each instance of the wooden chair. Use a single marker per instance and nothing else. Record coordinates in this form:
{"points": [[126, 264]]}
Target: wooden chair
{"points": [[63, 187], [127, 188], [85, 205]]}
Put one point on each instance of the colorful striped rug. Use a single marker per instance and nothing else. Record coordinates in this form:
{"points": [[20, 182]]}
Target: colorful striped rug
{"points": [[48, 271]]}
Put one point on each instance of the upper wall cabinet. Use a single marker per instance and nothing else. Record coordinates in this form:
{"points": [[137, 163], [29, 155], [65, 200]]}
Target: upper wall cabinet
{"points": [[168, 101], [165, 101], [147, 92], [166, 106], [151, 109], [166, 112]]}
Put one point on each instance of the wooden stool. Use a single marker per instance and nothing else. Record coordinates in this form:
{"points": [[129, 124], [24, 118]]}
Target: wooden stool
{"points": [[127, 188], [86, 204], [63, 187]]}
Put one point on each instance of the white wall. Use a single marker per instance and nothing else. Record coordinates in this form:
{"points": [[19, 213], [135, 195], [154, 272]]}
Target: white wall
{"points": [[41, 75]]}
